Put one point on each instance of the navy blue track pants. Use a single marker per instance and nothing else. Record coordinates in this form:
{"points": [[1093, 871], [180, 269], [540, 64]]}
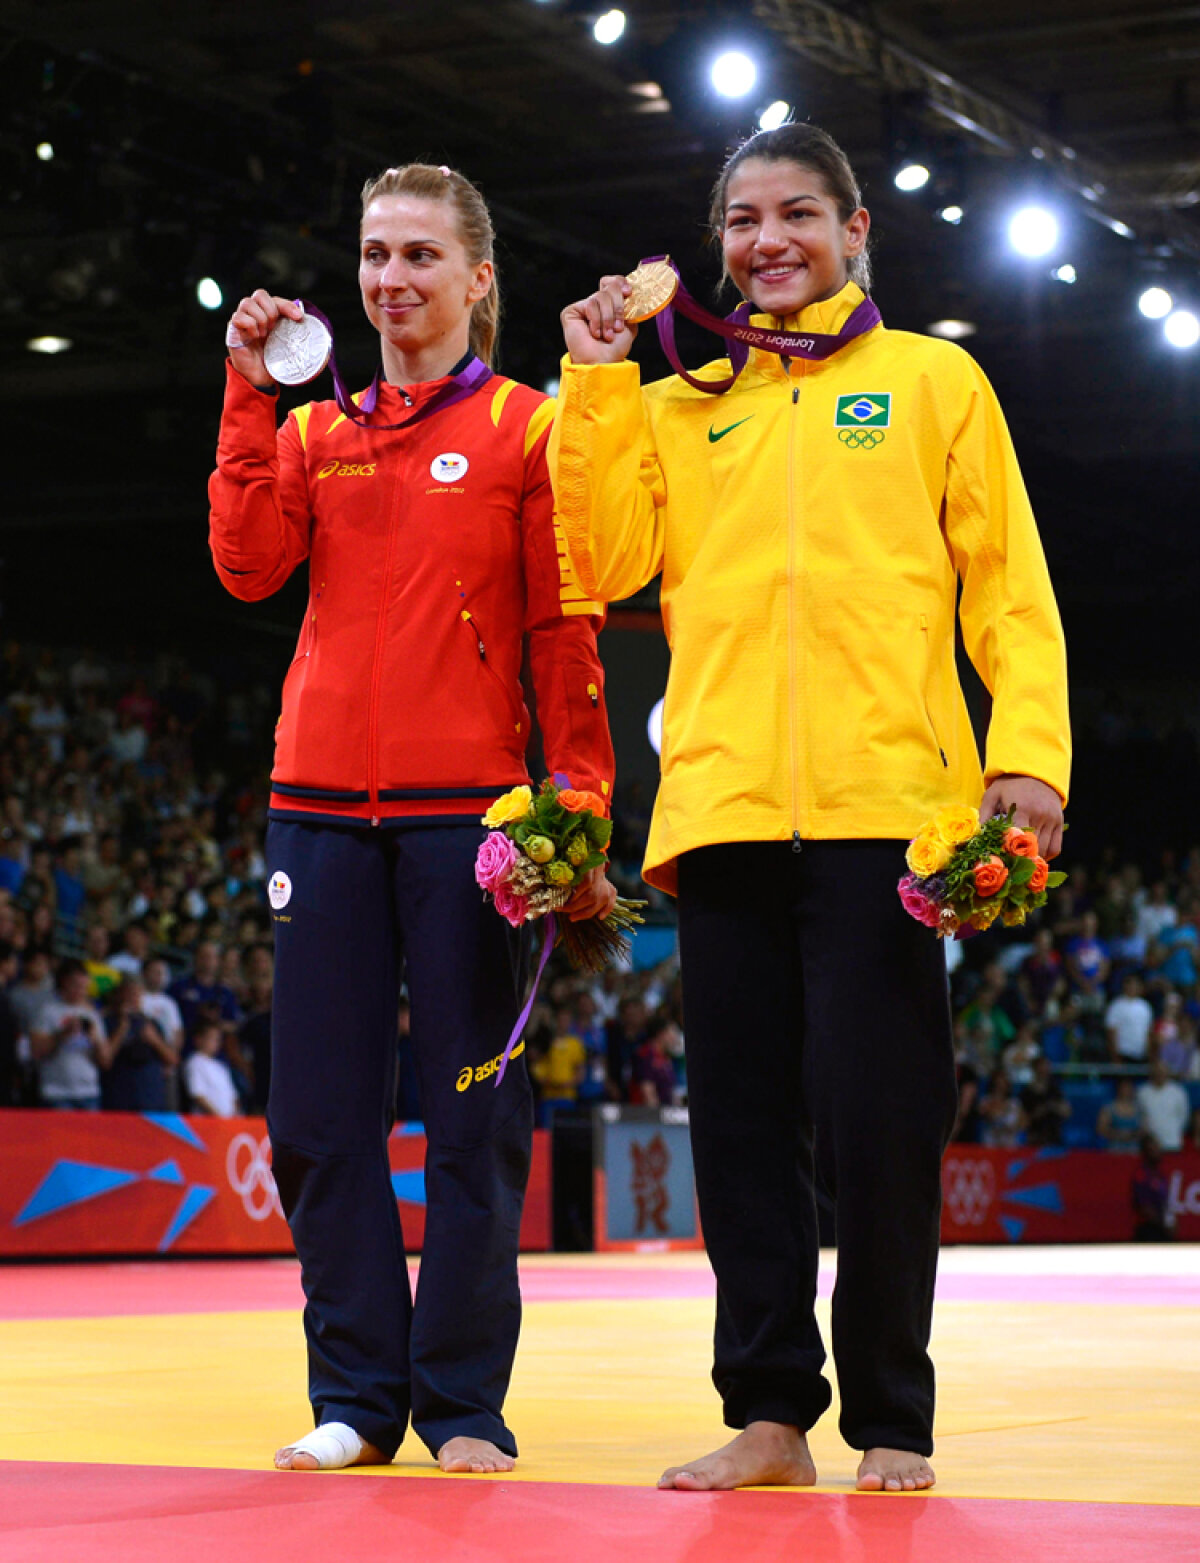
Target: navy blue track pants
{"points": [[356, 909]]}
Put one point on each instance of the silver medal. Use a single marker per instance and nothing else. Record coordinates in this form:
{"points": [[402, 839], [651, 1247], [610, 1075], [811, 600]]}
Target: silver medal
{"points": [[297, 350]]}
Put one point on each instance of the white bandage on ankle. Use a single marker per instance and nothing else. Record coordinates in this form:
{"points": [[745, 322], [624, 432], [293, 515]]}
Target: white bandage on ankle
{"points": [[333, 1445]]}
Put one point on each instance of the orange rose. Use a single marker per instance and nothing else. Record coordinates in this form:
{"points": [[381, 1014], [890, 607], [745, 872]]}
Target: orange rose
{"points": [[990, 876], [1040, 869], [577, 802], [1021, 843]]}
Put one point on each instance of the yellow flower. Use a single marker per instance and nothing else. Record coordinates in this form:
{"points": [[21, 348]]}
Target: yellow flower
{"points": [[513, 805], [986, 916], [956, 823], [928, 854]]}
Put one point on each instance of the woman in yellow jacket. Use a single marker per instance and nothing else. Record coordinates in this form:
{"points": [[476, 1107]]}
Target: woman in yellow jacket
{"points": [[812, 527]]}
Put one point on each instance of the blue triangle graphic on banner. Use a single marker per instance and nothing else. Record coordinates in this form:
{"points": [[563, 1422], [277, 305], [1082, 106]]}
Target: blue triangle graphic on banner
{"points": [[191, 1205], [1012, 1228], [166, 1172], [409, 1186], [1045, 1196], [70, 1183], [174, 1123]]}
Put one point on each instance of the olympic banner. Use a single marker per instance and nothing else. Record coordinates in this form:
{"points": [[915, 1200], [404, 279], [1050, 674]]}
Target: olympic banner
{"points": [[157, 1183], [1056, 1196]]}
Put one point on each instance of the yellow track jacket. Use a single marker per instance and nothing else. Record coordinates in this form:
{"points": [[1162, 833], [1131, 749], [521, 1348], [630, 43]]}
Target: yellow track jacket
{"points": [[812, 527]]}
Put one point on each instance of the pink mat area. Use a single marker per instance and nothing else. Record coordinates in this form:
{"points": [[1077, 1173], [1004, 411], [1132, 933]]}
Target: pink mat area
{"points": [[90, 1290], [127, 1514]]}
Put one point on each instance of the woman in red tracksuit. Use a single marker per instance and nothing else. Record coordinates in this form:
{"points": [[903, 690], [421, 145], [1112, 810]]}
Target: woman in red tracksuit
{"points": [[433, 556]]}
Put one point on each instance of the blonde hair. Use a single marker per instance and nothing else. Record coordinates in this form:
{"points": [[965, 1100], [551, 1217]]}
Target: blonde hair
{"points": [[429, 182]]}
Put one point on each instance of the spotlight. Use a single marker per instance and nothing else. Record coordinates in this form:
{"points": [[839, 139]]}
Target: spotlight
{"points": [[1156, 303], [1181, 328], [733, 74], [49, 344], [1065, 273], [45, 151], [953, 330], [1033, 231], [774, 115], [911, 176], [609, 27], [551, 386], [208, 293], [951, 214]]}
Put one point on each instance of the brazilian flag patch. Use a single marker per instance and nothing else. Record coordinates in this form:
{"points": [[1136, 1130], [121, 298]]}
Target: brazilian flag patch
{"points": [[864, 412]]}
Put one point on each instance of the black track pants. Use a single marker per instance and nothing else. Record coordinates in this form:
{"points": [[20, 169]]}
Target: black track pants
{"points": [[818, 1027]]}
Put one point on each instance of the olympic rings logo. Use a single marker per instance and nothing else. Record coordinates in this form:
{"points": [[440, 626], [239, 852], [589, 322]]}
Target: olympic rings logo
{"points": [[861, 439], [969, 1188], [248, 1168]]}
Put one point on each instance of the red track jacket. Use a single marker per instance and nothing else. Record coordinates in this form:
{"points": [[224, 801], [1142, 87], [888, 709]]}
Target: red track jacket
{"points": [[432, 551]]}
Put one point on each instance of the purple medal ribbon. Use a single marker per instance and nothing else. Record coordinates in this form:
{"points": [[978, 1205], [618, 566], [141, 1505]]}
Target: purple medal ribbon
{"points": [[465, 383], [522, 1018], [742, 336]]}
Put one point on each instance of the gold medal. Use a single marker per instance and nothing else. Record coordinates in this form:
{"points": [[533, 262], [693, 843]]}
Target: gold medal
{"points": [[654, 285]]}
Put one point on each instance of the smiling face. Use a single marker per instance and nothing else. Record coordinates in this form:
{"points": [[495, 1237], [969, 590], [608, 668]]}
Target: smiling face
{"points": [[785, 243], [418, 285]]}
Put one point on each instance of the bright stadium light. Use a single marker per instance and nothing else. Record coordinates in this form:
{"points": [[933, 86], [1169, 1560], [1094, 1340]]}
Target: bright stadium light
{"points": [[774, 115], [1181, 328], [45, 151], [1033, 231], [1156, 303], [49, 344], [1065, 273], [733, 74], [609, 27], [911, 175], [953, 330], [208, 293], [952, 214]]}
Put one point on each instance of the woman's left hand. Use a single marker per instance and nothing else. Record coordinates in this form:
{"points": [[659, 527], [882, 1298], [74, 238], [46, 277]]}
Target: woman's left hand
{"points": [[594, 896], [1038, 808]]}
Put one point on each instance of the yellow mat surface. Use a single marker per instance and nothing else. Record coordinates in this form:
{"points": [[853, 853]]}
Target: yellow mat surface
{"points": [[1096, 1402]]}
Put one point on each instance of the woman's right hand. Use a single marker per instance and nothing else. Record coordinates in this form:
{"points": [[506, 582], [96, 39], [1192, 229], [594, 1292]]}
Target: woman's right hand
{"points": [[251, 324], [595, 328]]}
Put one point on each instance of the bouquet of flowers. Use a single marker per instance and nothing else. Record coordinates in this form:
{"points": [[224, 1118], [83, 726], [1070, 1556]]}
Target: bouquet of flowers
{"points": [[966, 873], [539, 847]]}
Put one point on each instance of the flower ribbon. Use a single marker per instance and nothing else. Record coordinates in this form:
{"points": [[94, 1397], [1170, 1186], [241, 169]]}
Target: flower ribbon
{"points": [[742, 336], [463, 384], [522, 1018]]}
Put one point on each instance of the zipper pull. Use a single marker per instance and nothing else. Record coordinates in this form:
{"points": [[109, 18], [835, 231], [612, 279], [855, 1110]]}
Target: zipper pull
{"points": [[593, 694], [797, 844], [375, 819], [482, 649], [408, 401], [945, 761], [795, 394]]}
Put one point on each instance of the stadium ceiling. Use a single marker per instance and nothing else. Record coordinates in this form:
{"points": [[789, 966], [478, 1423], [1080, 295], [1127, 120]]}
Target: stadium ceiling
{"points": [[229, 138]]}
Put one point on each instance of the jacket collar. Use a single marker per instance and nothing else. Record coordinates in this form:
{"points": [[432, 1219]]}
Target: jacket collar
{"points": [[827, 316]]}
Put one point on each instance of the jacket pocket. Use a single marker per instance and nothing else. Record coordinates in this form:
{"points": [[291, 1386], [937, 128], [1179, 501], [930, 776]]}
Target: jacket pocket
{"points": [[512, 705], [933, 730]]}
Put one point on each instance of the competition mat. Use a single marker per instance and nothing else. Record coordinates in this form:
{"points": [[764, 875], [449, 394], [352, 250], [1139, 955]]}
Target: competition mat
{"points": [[140, 1404]]}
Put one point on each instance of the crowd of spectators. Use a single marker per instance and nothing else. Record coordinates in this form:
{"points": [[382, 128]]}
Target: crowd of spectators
{"points": [[136, 941], [1102, 988]]}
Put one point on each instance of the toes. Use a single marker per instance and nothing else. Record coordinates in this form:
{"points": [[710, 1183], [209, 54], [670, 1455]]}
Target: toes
{"points": [[870, 1481]]}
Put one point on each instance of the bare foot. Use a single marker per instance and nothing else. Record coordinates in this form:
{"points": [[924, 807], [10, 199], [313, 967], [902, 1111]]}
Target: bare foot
{"points": [[473, 1454], [894, 1470], [765, 1454], [292, 1459]]}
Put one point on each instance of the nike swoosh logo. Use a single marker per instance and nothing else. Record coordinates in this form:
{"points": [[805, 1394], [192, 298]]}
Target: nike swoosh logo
{"points": [[719, 434]]}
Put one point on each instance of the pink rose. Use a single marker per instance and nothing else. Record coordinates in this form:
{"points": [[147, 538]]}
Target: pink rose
{"points": [[917, 903], [495, 859], [512, 907]]}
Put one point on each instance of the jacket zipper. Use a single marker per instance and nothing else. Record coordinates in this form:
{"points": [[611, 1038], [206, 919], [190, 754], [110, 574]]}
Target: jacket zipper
{"points": [[793, 695], [925, 698], [377, 666], [469, 620]]}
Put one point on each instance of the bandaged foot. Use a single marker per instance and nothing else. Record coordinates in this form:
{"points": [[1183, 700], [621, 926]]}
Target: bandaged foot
{"points": [[330, 1447]]}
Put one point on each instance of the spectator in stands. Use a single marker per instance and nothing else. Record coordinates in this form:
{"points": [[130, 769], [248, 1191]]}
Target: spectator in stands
{"points": [[1045, 1107], [204, 987], [1001, 1118], [70, 1047], [12, 860], [1179, 1054], [1087, 964], [141, 1057], [560, 1070], [103, 977], [130, 959], [1021, 1055], [624, 1036], [654, 1079], [70, 892], [1165, 1107], [1040, 972], [1127, 1022], [1157, 913], [1153, 1221], [1120, 1122], [988, 1023], [1165, 1030], [159, 1005], [33, 989], [102, 870], [10, 1031], [967, 1123], [208, 1078]]}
